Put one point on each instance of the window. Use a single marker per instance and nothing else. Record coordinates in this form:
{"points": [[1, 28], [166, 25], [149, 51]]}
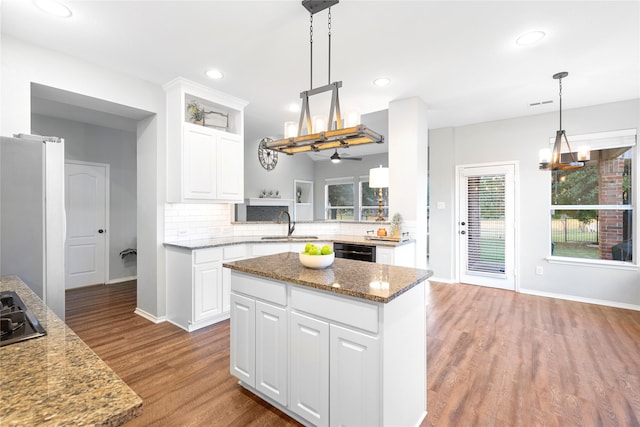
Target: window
{"points": [[369, 201], [592, 207], [339, 199]]}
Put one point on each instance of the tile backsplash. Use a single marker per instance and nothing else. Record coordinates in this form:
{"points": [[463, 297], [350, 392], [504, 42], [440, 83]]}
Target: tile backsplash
{"points": [[197, 221], [210, 220]]}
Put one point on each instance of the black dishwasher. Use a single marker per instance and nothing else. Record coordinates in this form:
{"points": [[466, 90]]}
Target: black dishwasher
{"points": [[355, 251]]}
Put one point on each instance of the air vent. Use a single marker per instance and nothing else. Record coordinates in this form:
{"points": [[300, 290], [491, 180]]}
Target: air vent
{"points": [[535, 104]]}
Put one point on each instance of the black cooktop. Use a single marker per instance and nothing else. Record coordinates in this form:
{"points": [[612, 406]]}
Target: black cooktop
{"points": [[17, 322]]}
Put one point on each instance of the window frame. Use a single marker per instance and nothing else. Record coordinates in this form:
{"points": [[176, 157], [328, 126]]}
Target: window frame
{"points": [[327, 208], [599, 141], [361, 205]]}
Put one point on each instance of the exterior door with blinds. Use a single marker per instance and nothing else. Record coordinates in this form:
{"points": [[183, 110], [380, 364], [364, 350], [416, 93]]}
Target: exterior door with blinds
{"points": [[486, 227]]}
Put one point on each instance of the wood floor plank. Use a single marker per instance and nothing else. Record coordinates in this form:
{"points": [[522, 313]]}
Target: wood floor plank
{"points": [[495, 358]]}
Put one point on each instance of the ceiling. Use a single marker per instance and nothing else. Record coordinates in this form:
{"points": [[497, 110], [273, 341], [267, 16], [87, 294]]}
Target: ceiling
{"points": [[459, 57]]}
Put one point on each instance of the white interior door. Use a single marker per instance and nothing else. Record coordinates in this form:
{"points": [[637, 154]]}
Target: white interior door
{"points": [[86, 205], [486, 226]]}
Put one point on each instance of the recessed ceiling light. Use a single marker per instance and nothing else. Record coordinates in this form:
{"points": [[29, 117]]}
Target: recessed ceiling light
{"points": [[214, 74], [382, 81], [530, 38], [53, 7], [293, 107]]}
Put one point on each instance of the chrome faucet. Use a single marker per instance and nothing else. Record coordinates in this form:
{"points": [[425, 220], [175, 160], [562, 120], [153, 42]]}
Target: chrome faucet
{"points": [[290, 226]]}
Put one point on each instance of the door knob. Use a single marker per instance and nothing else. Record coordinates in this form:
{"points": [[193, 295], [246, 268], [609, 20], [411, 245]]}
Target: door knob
{"points": [[463, 232], [463, 223], [101, 231]]}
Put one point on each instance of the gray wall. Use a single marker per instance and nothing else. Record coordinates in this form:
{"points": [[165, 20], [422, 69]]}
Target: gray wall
{"points": [[91, 143], [256, 178], [520, 140]]}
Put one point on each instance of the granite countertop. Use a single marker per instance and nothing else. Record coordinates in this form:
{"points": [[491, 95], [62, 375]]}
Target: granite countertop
{"points": [[226, 241], [365, 280], [57, 379]]}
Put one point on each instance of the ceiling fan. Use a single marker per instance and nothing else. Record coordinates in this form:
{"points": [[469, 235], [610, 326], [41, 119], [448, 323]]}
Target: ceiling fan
{"points": [[337, 158]]}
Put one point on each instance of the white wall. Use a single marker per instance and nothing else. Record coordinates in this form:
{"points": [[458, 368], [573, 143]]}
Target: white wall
{"points": [[520, 139], [23, 64], [117, 148]]}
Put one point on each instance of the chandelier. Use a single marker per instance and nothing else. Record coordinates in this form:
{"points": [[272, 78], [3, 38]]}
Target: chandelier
{"points": [[554, 159], [333, 134]]}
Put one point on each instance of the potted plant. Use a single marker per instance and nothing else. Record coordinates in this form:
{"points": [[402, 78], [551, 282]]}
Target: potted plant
{"points": [[395, 224], [196, 113]]}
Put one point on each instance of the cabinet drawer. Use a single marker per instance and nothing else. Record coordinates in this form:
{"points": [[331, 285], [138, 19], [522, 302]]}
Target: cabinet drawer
{"points": [[234, 251], [207, 255], [266, 290], [359, 314]]}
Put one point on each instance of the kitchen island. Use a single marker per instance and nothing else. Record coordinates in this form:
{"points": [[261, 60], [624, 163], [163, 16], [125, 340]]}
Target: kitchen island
{"points": [[345, 345], [56, 379]]}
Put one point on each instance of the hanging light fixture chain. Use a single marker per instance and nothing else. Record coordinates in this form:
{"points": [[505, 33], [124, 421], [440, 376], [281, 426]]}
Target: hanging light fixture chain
{"points": [[329, 26], [560, 95], [311, 51]]}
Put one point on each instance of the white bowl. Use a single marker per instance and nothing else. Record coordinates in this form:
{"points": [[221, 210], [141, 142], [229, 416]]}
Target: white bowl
{"points": [[316, 261]]}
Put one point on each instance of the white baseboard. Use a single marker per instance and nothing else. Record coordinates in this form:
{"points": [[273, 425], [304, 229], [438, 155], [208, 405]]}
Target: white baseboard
{"points": [[121, 279], [150, 317], [581, 299]]}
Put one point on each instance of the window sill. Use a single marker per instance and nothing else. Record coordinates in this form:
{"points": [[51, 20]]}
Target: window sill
{"points": [[616, 265]]}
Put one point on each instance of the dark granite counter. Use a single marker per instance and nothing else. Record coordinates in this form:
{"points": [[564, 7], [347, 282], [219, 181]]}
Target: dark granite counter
{"points": [[226, 241], [57, 380], [365, 280]]}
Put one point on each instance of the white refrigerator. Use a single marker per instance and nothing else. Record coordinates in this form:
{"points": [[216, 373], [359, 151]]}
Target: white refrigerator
{"points": [[32, 217]]}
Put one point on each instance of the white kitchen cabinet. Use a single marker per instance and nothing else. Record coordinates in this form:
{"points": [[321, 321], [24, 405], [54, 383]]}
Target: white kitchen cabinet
{"points": [[341, 351], [205, 159], [259, 357], [195, 295], [207, 282], [310, 369], [401, 255], [384, 255], [243, 343], [211, 163], [271, 351], [355, 381]]}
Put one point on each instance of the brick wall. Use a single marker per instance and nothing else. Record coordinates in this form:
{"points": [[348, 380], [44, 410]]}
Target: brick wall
{"points": [[610, 222]]}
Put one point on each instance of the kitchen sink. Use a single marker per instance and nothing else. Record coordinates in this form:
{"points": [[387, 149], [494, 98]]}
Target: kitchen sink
{"points": [[288, 239]]}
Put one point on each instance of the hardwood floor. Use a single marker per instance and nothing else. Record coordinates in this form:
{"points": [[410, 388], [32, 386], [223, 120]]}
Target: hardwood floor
{"points": [[495, 358]]}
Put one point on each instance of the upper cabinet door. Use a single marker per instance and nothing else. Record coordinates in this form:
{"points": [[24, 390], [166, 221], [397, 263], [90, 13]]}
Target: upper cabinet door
{"points": [[230, 161], [199, 163]]}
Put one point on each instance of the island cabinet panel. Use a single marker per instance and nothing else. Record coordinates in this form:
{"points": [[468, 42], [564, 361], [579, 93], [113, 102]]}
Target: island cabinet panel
{"points": [[310, 369], [349, 311], [271, 351], [355, 378], [243, 350]]}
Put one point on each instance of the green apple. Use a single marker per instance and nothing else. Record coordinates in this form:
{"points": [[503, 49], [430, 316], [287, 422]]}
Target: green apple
{"points": [[315, 250], [326, 250], [307, 247]]}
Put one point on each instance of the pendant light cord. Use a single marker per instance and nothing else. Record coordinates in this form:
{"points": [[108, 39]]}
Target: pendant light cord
{"points": [[329, 25], [311, 52]]}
